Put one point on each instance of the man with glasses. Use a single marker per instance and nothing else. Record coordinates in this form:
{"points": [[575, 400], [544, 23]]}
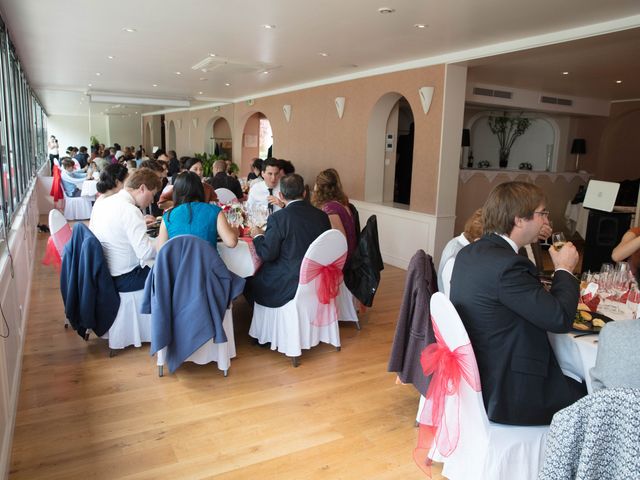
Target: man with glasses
{"points": [[507, 312]]}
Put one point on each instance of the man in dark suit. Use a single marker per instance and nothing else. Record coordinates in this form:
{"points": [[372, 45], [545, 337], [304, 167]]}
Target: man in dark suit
{"points": [[289, 233], [220, 179], [507, 312]]}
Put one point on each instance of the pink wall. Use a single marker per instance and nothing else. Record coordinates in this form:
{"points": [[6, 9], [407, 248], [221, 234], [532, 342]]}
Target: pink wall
{"points": [[251, 128]]}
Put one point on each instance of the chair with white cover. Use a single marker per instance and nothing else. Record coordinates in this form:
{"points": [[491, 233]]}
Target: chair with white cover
{"points": [[77, 208], [346, 306], [130, 327], [305, 321], [221, 353], [60, 234], [469, 445], [225, 196]]}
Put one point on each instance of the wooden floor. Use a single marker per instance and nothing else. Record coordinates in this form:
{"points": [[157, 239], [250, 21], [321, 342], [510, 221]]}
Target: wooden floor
{"points": [[83, 415]]}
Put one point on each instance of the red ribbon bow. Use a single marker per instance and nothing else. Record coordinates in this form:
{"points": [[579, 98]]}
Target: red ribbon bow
{"points": [[327, 286], [447, 369]]}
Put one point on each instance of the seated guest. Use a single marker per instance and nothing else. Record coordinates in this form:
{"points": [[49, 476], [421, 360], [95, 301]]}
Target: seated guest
{"points": [[82, 157], [472, 232], [111, 180], [191, 215], [629, 249], [617, 363], [266, 193], [256, 170], [286, 167], [220, 179], [194, 165], [507, 312], [174, 164], [119, 225], [71, 180], [289, 233], [329, 197], [160, 169]]}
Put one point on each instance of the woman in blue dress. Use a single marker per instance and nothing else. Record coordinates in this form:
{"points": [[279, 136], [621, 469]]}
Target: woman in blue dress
{"points": [[192, 216]]}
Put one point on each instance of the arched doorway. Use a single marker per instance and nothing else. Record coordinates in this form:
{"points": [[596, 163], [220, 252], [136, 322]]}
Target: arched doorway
{"points": [[257, 138], [217, 139], [171, 143], [390, 138]]}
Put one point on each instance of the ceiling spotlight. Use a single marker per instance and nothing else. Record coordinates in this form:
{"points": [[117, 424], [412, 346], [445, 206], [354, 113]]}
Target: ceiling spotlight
{"points": [[269, 27], [385, 10], [155, 84], [212, 55], [111, 57], [199, 93], [227, 84], [420, 25], [98, 74], [202, 79], [129, 30], [178, 73], [323, 54], [266, 72], [565, 73], [90, 85], [136, 113], [618, 81]]}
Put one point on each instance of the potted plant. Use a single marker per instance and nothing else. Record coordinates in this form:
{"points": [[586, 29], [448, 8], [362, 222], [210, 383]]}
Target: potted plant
{"points": [[508, 129], [207, 162]]}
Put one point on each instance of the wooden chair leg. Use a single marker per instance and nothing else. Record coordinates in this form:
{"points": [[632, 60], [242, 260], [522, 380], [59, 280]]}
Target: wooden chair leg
{"points": [[112, 353], [295, 361], [160, 371], [338, 349]]}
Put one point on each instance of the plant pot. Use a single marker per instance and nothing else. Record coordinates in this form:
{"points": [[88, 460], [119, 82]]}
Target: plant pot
{"points": [[504, 158]]}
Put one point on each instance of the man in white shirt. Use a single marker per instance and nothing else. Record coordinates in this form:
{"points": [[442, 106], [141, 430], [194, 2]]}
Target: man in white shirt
{"points": [[266, 192], [119, 225]]}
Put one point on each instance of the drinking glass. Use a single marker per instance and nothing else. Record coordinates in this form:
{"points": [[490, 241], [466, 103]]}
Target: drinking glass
{"points": [[558, 240]]}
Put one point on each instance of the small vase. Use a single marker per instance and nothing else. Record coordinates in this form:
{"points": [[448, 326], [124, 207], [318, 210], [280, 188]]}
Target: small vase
{"points": [[504, 158]]}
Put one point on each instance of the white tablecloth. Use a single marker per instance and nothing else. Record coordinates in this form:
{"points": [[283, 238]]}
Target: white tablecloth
{"points": [[576, 355], [576, 218], [241, 260]]}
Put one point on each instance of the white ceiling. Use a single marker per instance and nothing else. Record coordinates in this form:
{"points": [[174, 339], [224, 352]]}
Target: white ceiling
{"points": [[63, 44]]}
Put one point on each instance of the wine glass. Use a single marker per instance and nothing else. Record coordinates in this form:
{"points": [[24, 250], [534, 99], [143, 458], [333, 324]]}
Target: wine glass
{"points": [[558, 240]]}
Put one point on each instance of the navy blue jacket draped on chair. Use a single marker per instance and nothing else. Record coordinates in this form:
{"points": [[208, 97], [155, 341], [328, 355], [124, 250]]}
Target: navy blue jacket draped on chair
{"points": [[88, 292], [187, 294]]}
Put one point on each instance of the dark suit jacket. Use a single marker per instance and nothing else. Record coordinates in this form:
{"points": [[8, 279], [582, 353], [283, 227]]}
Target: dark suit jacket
{"points": [[289, 233], [90, 298], [507, 314], [414, 330]]}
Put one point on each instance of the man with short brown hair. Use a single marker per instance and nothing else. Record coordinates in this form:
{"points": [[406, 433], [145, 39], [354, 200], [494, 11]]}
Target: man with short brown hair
{"points": [[119, 225], [507, 312]]}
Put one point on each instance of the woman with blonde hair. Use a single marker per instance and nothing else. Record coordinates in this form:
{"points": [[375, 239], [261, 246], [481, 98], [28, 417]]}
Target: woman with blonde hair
{"points": [[331, 199]]}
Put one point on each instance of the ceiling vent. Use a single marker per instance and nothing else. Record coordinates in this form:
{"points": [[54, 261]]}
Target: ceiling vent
{"points": [[229, 67], [556, 101], [487, 92]]}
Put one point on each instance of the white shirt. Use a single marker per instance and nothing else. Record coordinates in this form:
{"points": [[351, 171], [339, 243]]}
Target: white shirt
{"points": [[119, 225], [449, 256], [258, 195]]}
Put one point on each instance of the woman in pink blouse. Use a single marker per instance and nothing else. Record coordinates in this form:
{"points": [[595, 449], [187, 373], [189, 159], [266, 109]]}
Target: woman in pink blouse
{"points": [[329, 197]]}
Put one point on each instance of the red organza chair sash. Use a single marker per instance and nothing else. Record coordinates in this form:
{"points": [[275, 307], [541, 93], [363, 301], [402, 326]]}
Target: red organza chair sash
{"points": [[55, 247], [56, 186], [439, 425], [328, 282]]}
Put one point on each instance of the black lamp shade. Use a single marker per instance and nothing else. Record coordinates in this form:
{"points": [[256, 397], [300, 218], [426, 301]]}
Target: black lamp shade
{"points": [[466, 137], [579, 146]]}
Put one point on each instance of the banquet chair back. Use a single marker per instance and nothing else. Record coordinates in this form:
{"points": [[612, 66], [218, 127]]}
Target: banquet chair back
{"points": [[77, 208], [596, 437], [189, 293], [305, 321], [225, 196], [483, 449], [60, 230]]}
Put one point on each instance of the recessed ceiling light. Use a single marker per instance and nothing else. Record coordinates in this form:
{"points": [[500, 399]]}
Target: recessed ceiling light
{"points": [[178, 73], [385, 10], [155, 84], [129, 30], [90, 85], [420, 25], [98, 74], [212, 55], [565, 73], [618, 81], [323, 54], [136, 113], [227, 84], [199, 93], [202, 79], [269, 27], [266, 72], [111, 57]]}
